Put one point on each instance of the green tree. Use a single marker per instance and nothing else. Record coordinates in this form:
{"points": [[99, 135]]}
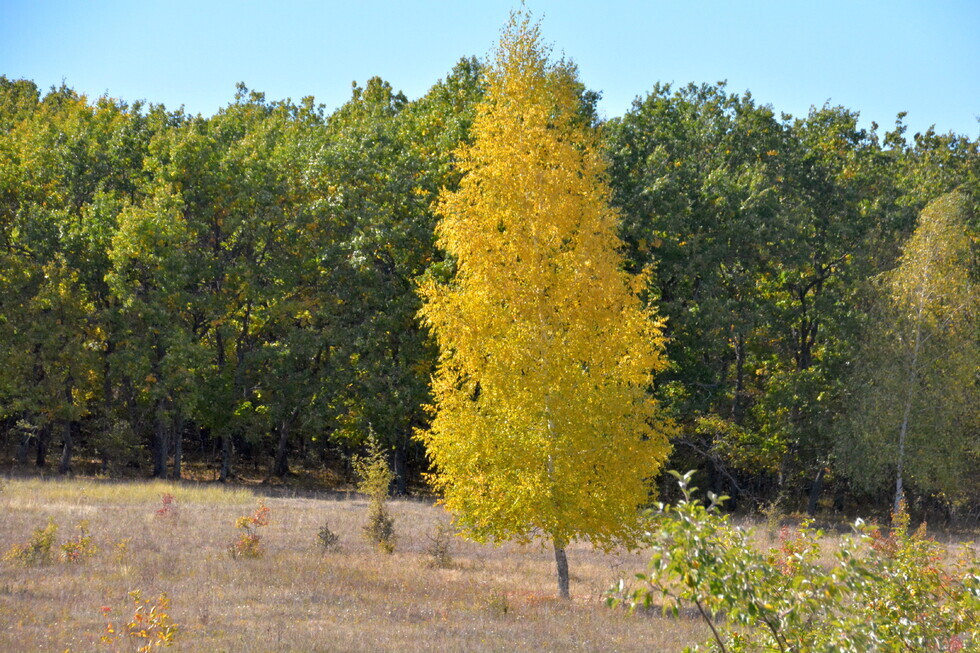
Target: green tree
{"points": [[381, 241], [543, 423], [69, 168], [917, 398], [762, 231], [699, 175], [829, 231], [156, 358], [380, 165], [220, 259]]}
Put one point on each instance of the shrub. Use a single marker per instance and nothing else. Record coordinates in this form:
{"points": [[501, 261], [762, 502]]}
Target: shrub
{"points": [[121, 552], [150, 626], [375, 479], [249, 543], [37, 550], [168, 507], [440, 543], [898, 591], [79, 547], [327, 539], [773, 513], [497, 604]]}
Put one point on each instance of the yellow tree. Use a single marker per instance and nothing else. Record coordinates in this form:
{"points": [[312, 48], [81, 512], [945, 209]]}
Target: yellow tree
{"points": [[543, 425]]}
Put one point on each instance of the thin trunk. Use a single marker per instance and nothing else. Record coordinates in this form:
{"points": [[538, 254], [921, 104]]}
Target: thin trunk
{"points": [[561, 563], [225, 473], [280, 466], [67, 440], [902, 434], [815, 490], [107, 403], [904, 429], [161, 443], [399, 467], [178, 447], [68, 447], [42, 445], [739, 378], [44, 432], [25, 443], [907, 411]]}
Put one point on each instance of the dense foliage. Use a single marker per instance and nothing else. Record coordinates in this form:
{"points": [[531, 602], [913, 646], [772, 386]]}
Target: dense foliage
{"points": [[242, 287], [891, 591], [543, 423]]}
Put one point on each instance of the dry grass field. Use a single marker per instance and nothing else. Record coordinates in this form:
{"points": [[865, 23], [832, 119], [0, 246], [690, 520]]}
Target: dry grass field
{"points": [[298, 597]]}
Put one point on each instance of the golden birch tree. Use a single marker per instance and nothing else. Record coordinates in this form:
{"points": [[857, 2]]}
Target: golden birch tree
{"points": [[543, 424]]}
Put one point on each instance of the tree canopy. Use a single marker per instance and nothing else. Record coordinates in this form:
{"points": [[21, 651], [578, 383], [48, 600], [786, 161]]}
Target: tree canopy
{"points": [[238, 293]]}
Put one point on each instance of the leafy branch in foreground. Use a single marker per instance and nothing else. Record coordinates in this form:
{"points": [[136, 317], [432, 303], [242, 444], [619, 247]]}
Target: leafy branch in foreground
{"points": [[880, 592]]}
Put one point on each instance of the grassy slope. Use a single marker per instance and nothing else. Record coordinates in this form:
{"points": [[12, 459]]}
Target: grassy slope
{"points": [[298, 598]]}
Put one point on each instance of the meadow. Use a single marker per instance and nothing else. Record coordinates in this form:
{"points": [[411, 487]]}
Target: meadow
{"points": [[299, 595]]}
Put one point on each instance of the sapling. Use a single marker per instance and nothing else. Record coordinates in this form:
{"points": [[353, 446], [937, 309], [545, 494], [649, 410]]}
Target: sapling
{"points": [[375, 480]]}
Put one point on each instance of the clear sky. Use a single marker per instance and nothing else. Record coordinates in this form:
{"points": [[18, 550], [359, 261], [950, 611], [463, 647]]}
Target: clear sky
{"points": [[878, 57]]}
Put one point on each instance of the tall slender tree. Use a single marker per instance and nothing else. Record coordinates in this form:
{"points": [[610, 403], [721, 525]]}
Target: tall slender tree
{"points": [[917, 407], [543, 423]]}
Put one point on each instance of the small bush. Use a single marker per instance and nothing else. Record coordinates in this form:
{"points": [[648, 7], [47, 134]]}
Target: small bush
{"points": [[37, 551], [773, 513], [380, 529], [497, 603], [327, 539], [79, 547], [150, 626], [121, 552], [168, 507], [375, 479], [440, 546], [249, 543]]}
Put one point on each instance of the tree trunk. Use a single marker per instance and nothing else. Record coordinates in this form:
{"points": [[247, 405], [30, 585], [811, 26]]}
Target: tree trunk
{"points": [[561, 563], [399, 467], [161, 443], [178, 447], [739, 379], [280, 466], [899, 489], [66, 451], [225, 473], [107, 399], [815, 490], [42, 445], [25, 443], [903, 431]]}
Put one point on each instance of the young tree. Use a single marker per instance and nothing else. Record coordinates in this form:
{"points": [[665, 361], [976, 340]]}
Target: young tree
{"points": [[543, 425], [917, 401]]}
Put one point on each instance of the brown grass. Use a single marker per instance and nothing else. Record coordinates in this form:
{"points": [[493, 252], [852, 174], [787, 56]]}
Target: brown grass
{"points": [[299, 597]]}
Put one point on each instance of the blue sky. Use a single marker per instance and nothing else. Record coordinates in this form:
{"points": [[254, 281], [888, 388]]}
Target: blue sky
{"points": [[873, 56]]}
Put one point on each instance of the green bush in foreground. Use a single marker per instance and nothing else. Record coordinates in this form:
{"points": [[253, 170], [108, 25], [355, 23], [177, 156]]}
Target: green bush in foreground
{"points": [[893, 591]]}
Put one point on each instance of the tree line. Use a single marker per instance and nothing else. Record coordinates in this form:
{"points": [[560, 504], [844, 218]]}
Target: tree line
{"points": [[243, 288]]}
